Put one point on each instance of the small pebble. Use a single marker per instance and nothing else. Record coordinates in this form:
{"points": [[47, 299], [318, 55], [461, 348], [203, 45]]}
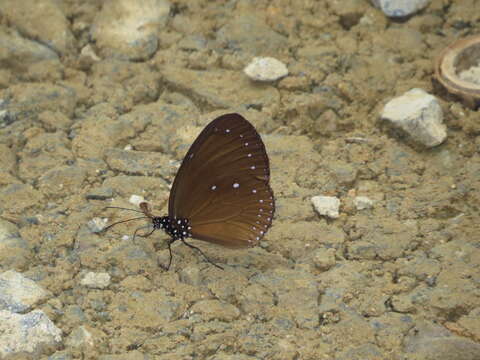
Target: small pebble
{"points": [[97, 224], [418, 114], [327, 206], [265, 69], [80, 338], [96, 280], [136, 200], [324, 258], [400, 8], [363, 202]]}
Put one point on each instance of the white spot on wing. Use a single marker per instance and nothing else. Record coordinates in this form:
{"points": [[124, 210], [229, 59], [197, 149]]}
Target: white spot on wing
{"points": [[236, 185], [213, 187]]}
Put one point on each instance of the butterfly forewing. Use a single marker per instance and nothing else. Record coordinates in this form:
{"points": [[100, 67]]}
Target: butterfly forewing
{"points": [[222, 186]]}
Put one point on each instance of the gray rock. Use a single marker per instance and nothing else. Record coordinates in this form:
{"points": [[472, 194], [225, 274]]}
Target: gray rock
{"points": [[286, 285], [265, 69], [27, 336], [191, 275], [96, 280], [215, 309], [419, 115], [249, 33], [256, 299], [428, 341], [19, 294], [210, 87], [14, 250], [18, 197], [80, 338], [125, 186], [132, 355], [344, 173], [18, 53], [8, 159], [324, 258], [140, 163], [366, 351], [60, 355], [403, 304], [99, 193], [384, 239], [400, 8], [41, 20], [61, 181], [28, 100], [327, 206], [74, 315], [128, 30]]}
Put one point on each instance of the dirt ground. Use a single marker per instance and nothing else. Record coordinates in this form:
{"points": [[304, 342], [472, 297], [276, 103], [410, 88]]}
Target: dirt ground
{"points": [[87, 120]]}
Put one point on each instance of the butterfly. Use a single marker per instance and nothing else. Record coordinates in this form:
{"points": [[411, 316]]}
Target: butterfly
{"points": [[221, 193]]}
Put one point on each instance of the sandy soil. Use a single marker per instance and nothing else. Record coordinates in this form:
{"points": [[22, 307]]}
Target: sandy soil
{"points": [[87, 122]]}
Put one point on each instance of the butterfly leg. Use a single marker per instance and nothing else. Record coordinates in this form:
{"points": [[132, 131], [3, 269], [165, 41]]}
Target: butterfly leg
{"points": [[169, 243], [144, 235], [201, 252]]}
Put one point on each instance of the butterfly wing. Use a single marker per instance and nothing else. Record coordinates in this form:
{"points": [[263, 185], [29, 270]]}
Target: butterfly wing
{"points": [[222, 186]]}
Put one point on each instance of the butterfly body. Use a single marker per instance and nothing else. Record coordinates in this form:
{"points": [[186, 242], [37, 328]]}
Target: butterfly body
{"points": [[177, 229]]}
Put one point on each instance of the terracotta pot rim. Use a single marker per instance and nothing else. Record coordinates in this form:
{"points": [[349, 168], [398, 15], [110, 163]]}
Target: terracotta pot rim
{"points": [[446, 70]]}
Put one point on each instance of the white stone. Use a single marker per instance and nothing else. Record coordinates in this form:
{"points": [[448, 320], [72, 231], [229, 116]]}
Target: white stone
{"points": [[27, 336], [18, 293], [418, 114], [327, 206], [400, 8], [96, 280], [127, 29], [97, 224], [136, 200], [88, 53], [265, 69], [363, 202]]}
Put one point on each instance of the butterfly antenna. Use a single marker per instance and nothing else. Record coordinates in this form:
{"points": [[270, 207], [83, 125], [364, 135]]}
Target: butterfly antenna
{"points": [[121, 208], [201, 252], [123, 221]]}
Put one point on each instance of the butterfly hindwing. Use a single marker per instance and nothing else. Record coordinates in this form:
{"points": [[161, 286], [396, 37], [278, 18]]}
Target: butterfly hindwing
{"points": [[222, 186]]}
